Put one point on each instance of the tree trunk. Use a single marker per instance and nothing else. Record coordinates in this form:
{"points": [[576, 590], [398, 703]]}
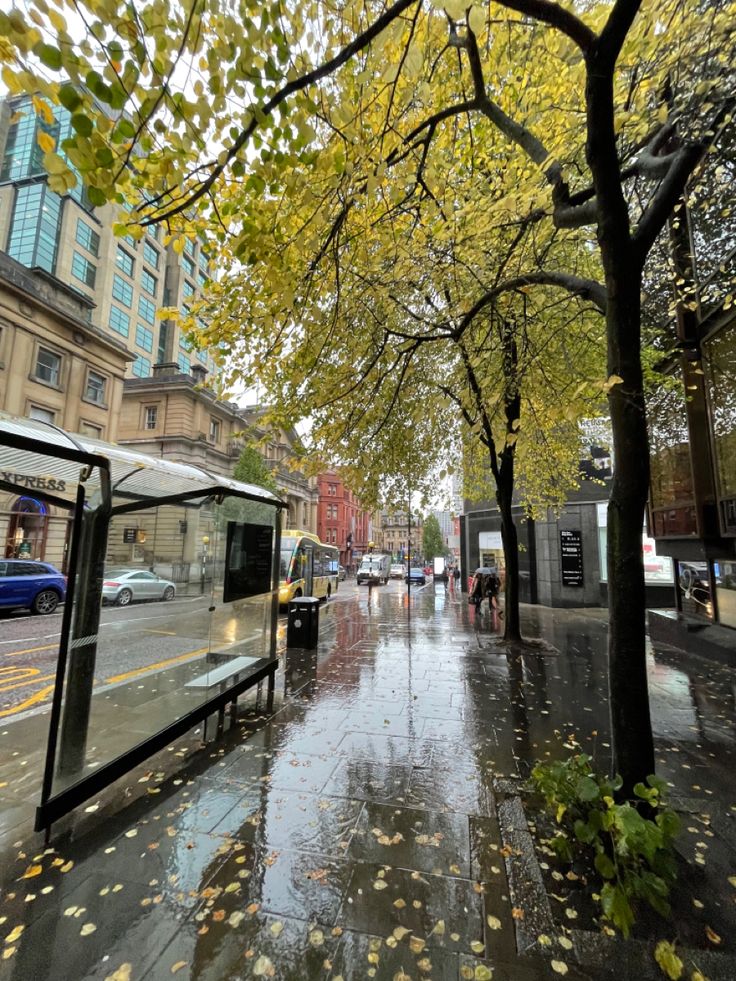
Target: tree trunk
{"points": [[510, 539], [631, 731], [631, 728]]}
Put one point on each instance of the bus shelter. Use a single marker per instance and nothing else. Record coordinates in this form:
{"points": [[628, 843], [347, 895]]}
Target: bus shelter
{"points": [[171, 604]]}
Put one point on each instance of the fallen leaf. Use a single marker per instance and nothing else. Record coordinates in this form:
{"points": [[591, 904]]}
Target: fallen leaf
{"points": [[87, 928], [32, 871], [565, 942], [121, 974], [263, 967], [277, 929], [14, 934], [493, 922], [316, 938], [518, 913], [669, 962], [560, 967], [380, 884], [178, 966], [399, 903], [236, 918], [482, 973], [477, 946], [712, 935]]}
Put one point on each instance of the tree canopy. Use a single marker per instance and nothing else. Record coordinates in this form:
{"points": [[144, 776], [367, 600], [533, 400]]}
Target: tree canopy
{"points": [[433, 543]]}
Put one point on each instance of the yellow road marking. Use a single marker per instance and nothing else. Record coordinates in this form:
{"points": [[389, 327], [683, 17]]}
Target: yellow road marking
{"points": [[16, 677], [30, 650], [39, 696], [152, 667]]}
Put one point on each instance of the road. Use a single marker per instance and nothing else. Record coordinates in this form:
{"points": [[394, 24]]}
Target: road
{"points": [[133, 642]]}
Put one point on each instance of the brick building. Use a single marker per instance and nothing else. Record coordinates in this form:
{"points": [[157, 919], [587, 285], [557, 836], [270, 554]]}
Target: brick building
{"points": [[341, 519]]}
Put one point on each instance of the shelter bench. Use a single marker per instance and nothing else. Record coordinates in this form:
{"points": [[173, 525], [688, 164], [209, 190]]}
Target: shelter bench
{"points": [[229, 675]]}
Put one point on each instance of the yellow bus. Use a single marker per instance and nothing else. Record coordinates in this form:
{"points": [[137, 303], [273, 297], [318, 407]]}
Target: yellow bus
{"points": [[308, 567]]}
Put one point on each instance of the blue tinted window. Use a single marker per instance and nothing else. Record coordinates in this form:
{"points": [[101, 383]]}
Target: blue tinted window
{"points": [[146, 310], [184, 363], [87, 237], [119, 320], [150, 254], [34, 231], [125, 261], [148, 282], [83, 269], [144, 337], [122, 291], [142, 367]]}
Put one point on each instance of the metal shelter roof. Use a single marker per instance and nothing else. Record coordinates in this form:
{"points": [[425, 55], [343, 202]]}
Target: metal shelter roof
{"points": [[49, 460]]}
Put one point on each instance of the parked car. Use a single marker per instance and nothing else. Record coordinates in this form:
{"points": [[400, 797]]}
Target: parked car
{"points": [[416, 576], [397, 571], [27, 584], [122, 586], [341, 573]]}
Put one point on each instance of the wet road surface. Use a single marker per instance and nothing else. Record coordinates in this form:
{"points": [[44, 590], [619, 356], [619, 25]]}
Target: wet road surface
{"points": [[373, 825]]}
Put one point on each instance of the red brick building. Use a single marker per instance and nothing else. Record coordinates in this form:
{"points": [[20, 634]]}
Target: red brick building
{"points": [[341, 519]]}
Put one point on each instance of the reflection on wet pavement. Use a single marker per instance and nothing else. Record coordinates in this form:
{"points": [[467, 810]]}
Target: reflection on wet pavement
{"points": [[373, 825]]}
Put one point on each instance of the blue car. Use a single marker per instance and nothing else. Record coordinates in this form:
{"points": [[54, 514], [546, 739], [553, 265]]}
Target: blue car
{"points": [[36, 586], [416, 576]]}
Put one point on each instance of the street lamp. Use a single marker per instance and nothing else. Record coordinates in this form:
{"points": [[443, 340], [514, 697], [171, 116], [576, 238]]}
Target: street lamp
{"points": [[205, 543]]}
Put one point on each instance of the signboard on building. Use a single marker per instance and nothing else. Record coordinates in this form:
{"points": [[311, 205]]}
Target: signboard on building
{"points": [[489, 540], [130, 536], [571, 555]]}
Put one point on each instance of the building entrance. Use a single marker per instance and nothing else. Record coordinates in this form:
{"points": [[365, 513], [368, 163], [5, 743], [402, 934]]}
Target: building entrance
{"points": [[27, 529]]}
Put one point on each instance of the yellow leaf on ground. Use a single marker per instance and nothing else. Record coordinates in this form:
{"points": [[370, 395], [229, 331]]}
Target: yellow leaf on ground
{"points": [[32, 871], [178, 966], [559, 966], [121, 974], [493, 922]]}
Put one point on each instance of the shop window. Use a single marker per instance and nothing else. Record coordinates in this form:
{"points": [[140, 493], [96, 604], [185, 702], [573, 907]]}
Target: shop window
{"points": [[671, 481], [725, 573], [719, 362], [48, 367]]}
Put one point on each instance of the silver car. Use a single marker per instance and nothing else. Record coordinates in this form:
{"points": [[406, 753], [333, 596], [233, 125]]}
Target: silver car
{"points": [[121, 586]]}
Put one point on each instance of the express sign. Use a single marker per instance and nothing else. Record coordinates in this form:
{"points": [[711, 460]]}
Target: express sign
{"points": [[33, 483]]}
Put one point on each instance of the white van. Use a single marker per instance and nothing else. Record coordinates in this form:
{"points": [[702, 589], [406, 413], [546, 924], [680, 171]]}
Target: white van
{"points": [[374, 568]]}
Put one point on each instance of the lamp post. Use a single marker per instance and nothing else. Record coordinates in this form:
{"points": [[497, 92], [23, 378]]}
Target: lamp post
{"points": [[408, 547], [205, 543]]}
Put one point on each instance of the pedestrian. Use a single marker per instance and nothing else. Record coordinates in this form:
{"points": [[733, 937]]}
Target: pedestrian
{"points": [[493, 587], [476, 591], [456, 575]]}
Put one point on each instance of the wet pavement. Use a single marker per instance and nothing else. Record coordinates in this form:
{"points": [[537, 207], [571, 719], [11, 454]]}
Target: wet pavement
{"points": [[377, 824]]}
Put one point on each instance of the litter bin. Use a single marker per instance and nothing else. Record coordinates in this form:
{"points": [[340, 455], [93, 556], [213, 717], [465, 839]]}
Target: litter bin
{"points": [[302, 629]]}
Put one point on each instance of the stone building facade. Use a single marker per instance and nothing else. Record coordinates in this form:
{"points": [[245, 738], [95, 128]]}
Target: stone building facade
{"points": [[58, 368]]}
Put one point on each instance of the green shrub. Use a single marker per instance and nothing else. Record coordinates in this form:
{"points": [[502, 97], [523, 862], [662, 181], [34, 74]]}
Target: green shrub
{"points": [[632, 844]]}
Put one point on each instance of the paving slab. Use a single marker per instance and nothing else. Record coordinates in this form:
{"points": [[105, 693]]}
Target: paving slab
{"points": [[377, 823]]}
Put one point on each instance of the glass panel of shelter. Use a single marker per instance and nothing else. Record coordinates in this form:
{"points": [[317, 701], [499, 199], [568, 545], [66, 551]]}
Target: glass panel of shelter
{"points": [[162, 646]]}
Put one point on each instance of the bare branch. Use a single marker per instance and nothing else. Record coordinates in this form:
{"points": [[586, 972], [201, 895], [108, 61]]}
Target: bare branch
{"points": [[666, 197], [295, 85], [556, 16]]}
